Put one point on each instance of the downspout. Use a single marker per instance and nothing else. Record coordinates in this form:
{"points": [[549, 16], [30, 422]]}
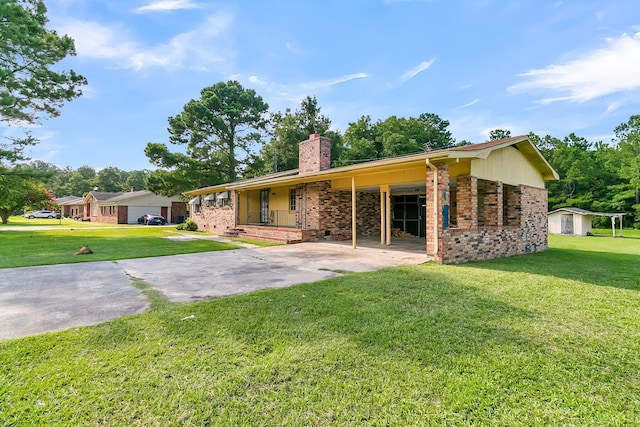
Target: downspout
{"points": [[435, 207]]}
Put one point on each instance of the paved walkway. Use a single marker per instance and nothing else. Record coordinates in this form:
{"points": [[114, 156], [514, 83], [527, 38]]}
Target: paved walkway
{"points": [[48, 298]]}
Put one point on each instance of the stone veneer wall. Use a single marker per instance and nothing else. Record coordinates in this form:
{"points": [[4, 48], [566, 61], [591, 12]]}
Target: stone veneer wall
{"points": [[216, 220], [489, 242]]}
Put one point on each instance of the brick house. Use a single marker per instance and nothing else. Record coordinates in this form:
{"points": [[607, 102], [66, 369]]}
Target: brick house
{"points": [[71, 206], [474, 202], [126, 208]]}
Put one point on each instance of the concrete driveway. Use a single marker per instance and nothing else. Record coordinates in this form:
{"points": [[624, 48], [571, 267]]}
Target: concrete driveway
{"points": [[43, 299]]}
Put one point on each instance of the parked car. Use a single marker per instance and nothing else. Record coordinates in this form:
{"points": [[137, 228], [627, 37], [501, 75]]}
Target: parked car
{"points": [[41, 214], [149, 219]]}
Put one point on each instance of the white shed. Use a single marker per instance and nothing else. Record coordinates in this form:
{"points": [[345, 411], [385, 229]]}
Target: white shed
{"points": [[577, 222]]}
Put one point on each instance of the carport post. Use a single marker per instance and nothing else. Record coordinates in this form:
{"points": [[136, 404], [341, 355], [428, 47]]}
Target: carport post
{"points": [[383, 222], [353, 211]]}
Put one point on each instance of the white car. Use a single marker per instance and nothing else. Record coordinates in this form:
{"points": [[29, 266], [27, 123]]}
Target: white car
{"points": [[41, 214]]}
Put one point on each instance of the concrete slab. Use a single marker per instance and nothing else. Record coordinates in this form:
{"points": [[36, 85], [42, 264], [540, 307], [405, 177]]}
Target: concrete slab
{"points": [[213, 274], [41, 299]]}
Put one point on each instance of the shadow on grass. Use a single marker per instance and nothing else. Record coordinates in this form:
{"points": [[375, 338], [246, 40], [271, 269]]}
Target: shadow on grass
{"points": [[619, 270], [397, 312]]}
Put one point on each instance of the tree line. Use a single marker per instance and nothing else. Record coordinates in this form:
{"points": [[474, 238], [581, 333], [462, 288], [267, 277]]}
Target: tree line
{"points": [[228, 134]]}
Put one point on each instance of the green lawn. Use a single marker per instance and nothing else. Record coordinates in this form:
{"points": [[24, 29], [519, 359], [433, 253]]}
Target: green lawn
{"points": [[20, 221], [22, 247], [545, 339]]}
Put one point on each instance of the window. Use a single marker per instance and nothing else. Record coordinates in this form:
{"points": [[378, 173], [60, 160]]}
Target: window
{"points": [[194, 204], [210, 200], [292, 199], [223, 199]]}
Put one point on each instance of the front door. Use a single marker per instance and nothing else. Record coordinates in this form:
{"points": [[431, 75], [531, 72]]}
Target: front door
{"points": [[264, 206]]}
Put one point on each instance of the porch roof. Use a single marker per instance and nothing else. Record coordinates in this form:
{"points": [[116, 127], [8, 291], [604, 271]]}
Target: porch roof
{"points": [[447, 155]]}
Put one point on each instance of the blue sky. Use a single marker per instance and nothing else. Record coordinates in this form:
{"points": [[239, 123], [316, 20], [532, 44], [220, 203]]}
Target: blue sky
{"points": [[551, 67]]}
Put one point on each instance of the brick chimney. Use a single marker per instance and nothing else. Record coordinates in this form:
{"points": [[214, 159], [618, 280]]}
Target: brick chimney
{"points": [[314, 154]]}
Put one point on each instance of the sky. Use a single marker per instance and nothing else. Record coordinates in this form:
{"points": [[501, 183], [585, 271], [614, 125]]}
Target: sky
{"points": [[549, 67]]}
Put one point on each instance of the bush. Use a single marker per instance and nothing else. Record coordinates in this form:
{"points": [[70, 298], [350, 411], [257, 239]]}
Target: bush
{"points": [[188, 225]]}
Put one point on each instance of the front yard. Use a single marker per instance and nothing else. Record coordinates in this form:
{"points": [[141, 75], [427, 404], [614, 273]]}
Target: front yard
{"points": [[21, 247], [546, 339]]}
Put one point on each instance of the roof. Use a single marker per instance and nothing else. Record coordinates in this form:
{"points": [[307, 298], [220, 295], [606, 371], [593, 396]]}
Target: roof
{"points": [[128, 196], [585, 212], [69, 200], [101, 195], [474, 151]]}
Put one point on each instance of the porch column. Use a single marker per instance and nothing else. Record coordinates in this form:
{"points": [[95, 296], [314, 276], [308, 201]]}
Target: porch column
{"points": [[383, 221], [388, 217], [353, 211], [385, 215]]}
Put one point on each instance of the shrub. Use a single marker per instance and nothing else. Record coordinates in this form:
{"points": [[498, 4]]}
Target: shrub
{"points": [[188, 225]]}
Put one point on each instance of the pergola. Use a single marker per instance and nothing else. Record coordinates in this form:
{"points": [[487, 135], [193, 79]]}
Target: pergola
{"points": [[613, 217]]}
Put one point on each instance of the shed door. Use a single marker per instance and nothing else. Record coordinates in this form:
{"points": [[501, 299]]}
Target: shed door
{"points": [[566, 226]]}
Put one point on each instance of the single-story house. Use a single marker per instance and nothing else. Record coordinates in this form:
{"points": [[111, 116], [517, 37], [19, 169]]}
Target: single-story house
{"points": [[71, 206], [126, 208], [577, 222], [472, 202]]}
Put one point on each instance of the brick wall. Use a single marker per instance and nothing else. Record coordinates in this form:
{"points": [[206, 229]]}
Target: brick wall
{"points": [[489, 242], [443, 208], [329, 212], [216, 219], [177, 208], [314, 154]]}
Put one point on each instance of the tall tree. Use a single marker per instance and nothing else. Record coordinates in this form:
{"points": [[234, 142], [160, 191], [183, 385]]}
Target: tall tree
{"points": [[111, 179], [217, 130], [496, 134], [29, 87], [288, 130], [395, 136], [628, 153]]}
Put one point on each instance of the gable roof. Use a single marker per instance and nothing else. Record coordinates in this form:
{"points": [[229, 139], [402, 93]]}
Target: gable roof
{"points": [[127, 196], [475, 151], [100, 195], [584, 212], [69, 200]]}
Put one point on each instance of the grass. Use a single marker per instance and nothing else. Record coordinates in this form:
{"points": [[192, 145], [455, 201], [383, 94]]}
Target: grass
{"points": [[551, 338], [20, 248], [20, 221]]}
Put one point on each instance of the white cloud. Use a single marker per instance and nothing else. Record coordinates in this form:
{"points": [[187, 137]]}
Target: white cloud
{"points": [[469, 104], [295, 49], [333, 82], [257, 80], [416, 70], [167, 5], [192, 49], [602, 72]]}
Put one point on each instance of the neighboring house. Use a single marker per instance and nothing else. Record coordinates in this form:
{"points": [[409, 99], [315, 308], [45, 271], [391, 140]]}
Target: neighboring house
{"points": [[119, 208], [485, 201], [577, 222], [71, 206]]}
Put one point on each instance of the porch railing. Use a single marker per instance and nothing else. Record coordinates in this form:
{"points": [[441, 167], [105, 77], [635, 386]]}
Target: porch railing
{"points": [[274, 219]]}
